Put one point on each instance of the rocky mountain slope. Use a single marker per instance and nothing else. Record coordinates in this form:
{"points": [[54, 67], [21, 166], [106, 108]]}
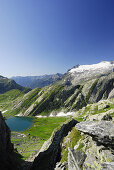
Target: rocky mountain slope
{"points": [[37, 81], [82, 73], [79, 86], [8, 84]]}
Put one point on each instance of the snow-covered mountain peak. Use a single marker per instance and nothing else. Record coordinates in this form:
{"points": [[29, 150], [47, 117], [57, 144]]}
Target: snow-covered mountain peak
{"points": [[81, 73], [102, 65]]}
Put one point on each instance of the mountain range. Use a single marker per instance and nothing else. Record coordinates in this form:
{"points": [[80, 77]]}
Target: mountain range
{"points": [[77, 88], [37, 81]]}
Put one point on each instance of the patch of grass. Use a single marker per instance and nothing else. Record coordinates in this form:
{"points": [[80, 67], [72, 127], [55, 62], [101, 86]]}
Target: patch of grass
{"points": [[79, 119], [81, 145], [43, 127]]}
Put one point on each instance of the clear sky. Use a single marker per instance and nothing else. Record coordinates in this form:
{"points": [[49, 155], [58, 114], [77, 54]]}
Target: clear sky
{"points": [[49, 36]]}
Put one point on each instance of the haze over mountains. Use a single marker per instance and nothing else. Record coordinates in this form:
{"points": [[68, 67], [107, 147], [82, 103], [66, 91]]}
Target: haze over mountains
{"points": [[77, 73], [37, 81]]}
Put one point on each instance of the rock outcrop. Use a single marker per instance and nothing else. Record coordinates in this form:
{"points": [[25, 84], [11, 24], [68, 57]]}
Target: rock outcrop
{"points": [[7, 158], [75, 159], [47, 160], [107, 166], [102, 131], [98, 143]]}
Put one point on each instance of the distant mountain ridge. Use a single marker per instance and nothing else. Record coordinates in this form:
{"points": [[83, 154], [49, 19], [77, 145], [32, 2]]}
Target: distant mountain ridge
{"points": [[37, 81], [8, 84]]}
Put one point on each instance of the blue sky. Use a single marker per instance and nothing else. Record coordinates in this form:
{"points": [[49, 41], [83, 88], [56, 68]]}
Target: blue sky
{"points": [[49, 36]]}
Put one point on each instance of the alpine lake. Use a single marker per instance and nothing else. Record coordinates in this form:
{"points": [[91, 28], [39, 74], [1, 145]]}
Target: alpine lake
{"points": [[19, 123]]}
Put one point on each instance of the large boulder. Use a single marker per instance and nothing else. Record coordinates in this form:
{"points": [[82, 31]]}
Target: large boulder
{"points": [[101, 131]]}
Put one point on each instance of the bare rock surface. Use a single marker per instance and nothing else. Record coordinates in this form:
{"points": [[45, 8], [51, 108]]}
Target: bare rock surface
{"points": [[75, 159], [102, 131], [107, 166], [111, 94]]}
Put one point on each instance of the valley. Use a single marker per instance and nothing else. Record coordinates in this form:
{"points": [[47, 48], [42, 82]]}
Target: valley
{"points": [[85, 94], [29, 142]]}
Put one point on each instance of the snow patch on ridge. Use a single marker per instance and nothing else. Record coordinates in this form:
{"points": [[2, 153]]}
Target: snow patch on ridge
{"points": [[101, 65], [60, 114], [40, 116], [4, 111], [65, 114]]}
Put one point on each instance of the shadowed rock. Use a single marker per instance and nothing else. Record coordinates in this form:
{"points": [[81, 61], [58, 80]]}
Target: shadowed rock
{"points": [[107, 117], [7, 158]]}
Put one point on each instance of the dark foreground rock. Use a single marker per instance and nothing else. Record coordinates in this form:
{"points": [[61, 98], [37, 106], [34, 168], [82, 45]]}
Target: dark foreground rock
{"points": [[47, 160], [102, 131], [7, 156]]}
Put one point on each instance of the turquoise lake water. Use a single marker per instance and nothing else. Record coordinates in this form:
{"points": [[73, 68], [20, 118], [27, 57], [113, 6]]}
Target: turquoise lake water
{"points": [[19, 123]]}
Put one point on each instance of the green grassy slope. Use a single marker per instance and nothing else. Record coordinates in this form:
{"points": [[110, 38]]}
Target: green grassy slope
{"points": [[8, 84], [8, 99]]}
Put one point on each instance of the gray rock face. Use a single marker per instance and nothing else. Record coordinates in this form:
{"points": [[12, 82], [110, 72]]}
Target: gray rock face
{"points": [[107, 166], [7, 159], [85, 72], [111, 94], [102, 131], [75, 159], [47, 160]]}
